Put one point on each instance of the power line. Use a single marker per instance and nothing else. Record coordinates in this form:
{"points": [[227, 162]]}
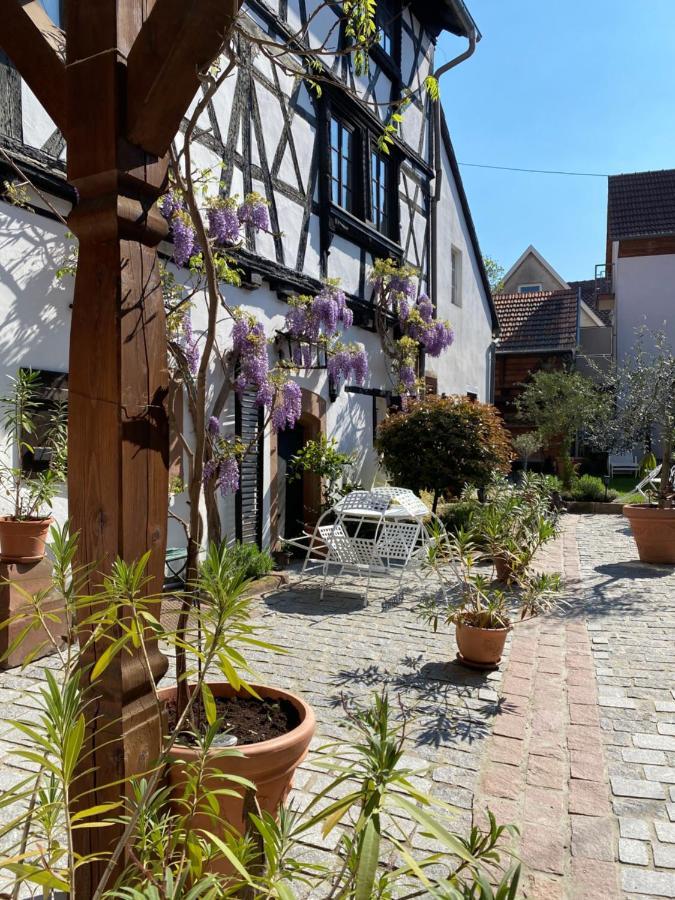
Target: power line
{"points": [[535, 171]]}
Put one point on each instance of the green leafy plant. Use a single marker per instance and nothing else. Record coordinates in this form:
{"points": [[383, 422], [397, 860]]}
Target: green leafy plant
{"points": [[248, 560], [643, 391], [174, 841], [323, 459], [443, 443], [590, 487], [31, 493], [526, 445], [559, 404], [515, 521], [473, 597]]}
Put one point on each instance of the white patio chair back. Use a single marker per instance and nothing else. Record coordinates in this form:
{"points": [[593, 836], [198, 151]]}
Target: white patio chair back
{"points": [[381, 532], [653, 480]]}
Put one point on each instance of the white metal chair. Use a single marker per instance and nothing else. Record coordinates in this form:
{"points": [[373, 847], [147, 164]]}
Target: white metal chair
{"points": [[384, 532], [623, 463], [652, 481]]}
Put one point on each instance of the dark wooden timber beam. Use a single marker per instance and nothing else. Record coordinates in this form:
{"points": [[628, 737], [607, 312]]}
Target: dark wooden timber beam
{"points": [[177, 39], [36, 47]]}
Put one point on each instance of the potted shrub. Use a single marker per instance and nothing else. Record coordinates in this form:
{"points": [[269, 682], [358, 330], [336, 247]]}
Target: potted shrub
{"points": [[175, 841], [442, 444], [24, 531], [644, 391], [514, 522], [482, 611]]}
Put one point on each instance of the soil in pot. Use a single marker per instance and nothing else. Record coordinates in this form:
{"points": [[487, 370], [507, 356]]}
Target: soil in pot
{"points": [[270, 763], [249, 720], [654, 532], [480, 648], [23, 540]]}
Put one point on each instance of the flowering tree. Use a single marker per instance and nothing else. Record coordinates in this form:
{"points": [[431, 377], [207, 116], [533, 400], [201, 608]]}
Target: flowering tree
{"points": [[406, 324]]}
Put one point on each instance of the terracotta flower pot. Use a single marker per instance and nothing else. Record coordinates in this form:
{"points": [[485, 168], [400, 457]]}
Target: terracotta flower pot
{"points": [[654, 532], [480, 647], [23, 540], [270, 765]]}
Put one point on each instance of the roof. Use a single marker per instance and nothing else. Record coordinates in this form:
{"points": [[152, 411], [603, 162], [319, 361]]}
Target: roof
{"points": [[541, 322], [454, 167], [589, 297], [532, 251], [641, 205], [447, 15]]}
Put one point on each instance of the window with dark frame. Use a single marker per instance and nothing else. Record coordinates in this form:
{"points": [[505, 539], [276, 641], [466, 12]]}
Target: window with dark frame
{"points": [[379, 186], [342, 164]]}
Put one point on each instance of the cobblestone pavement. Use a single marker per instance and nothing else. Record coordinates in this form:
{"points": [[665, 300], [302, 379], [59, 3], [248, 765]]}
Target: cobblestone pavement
{"points": [[574, 740], [582, 755], [630, 612]]}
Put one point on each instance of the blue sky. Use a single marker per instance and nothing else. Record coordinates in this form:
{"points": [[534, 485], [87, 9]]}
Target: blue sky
{"points": [[580, 86]]}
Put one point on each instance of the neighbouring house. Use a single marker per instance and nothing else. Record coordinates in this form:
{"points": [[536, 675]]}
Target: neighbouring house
{"points": [[538, 330], [336, 203], [547, 322], [640, 256]]}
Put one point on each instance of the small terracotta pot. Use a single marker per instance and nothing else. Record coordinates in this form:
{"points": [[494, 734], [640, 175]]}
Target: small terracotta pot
{"points": [[270, 765], [654, 532], [481, 647], [23, 540]]}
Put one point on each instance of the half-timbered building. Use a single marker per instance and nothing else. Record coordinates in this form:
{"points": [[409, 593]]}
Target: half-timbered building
{"points": [[336, 203]]}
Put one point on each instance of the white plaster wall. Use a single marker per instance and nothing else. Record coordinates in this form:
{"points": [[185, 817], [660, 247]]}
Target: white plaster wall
{"points": [[645, 295], [34, 308], [466, 365]]}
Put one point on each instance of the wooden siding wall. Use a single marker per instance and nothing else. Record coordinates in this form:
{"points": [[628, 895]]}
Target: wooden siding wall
{"points": [[512, 370]]}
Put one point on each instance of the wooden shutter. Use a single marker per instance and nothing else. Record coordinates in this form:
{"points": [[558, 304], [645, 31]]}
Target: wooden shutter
{"points": [[248, 500]]}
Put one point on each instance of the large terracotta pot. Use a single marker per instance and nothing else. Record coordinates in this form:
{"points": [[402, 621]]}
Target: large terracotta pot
{"points": [[23, 540], [480, 647], [270, 765], [654, 532]]}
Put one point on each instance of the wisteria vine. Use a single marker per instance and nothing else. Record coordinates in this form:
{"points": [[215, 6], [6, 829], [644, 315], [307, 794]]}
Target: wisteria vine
{"points": [[395, 289]]}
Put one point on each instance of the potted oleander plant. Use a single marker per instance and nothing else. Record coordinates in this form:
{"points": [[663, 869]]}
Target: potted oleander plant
{"points": [[178, 840], [23, 531], [514, 522], [643, 387], [482, 610]]}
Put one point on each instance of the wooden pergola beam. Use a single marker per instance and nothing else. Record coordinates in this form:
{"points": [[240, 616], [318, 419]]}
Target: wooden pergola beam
{"points": [[177, 39], [36, 47]]}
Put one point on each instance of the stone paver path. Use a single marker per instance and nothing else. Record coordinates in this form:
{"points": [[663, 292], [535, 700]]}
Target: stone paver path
{"points": [[574, 740], [630, 613]]}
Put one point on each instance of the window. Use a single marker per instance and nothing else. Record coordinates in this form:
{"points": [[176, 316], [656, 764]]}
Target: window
{"points": [[379, 181], [341, 165], [529, 288], [359, 184], [386, 24], [456, 284]]}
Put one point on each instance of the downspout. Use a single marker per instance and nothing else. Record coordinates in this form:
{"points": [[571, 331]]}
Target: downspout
{"points": [[473, 39]]}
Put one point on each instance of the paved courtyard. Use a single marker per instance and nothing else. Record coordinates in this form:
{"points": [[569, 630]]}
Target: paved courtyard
{"points": [[573, 740]]}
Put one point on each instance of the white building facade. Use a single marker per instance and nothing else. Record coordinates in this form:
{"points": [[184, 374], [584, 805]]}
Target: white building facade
{"points": [[336, 204]]}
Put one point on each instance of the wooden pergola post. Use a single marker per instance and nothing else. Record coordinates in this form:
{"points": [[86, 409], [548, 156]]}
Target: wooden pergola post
{"points": [[117, 84]]}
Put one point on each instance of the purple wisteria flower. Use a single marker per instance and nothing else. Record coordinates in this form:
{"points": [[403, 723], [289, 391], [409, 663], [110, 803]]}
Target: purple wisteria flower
{"points": [[213, 426], [425, 307], [350, 362], [249, 342], [224, 224], [289, 410], [227, 479], [437, 338], [407, 376], [184, 239], [189, 344], [253, 211]]}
